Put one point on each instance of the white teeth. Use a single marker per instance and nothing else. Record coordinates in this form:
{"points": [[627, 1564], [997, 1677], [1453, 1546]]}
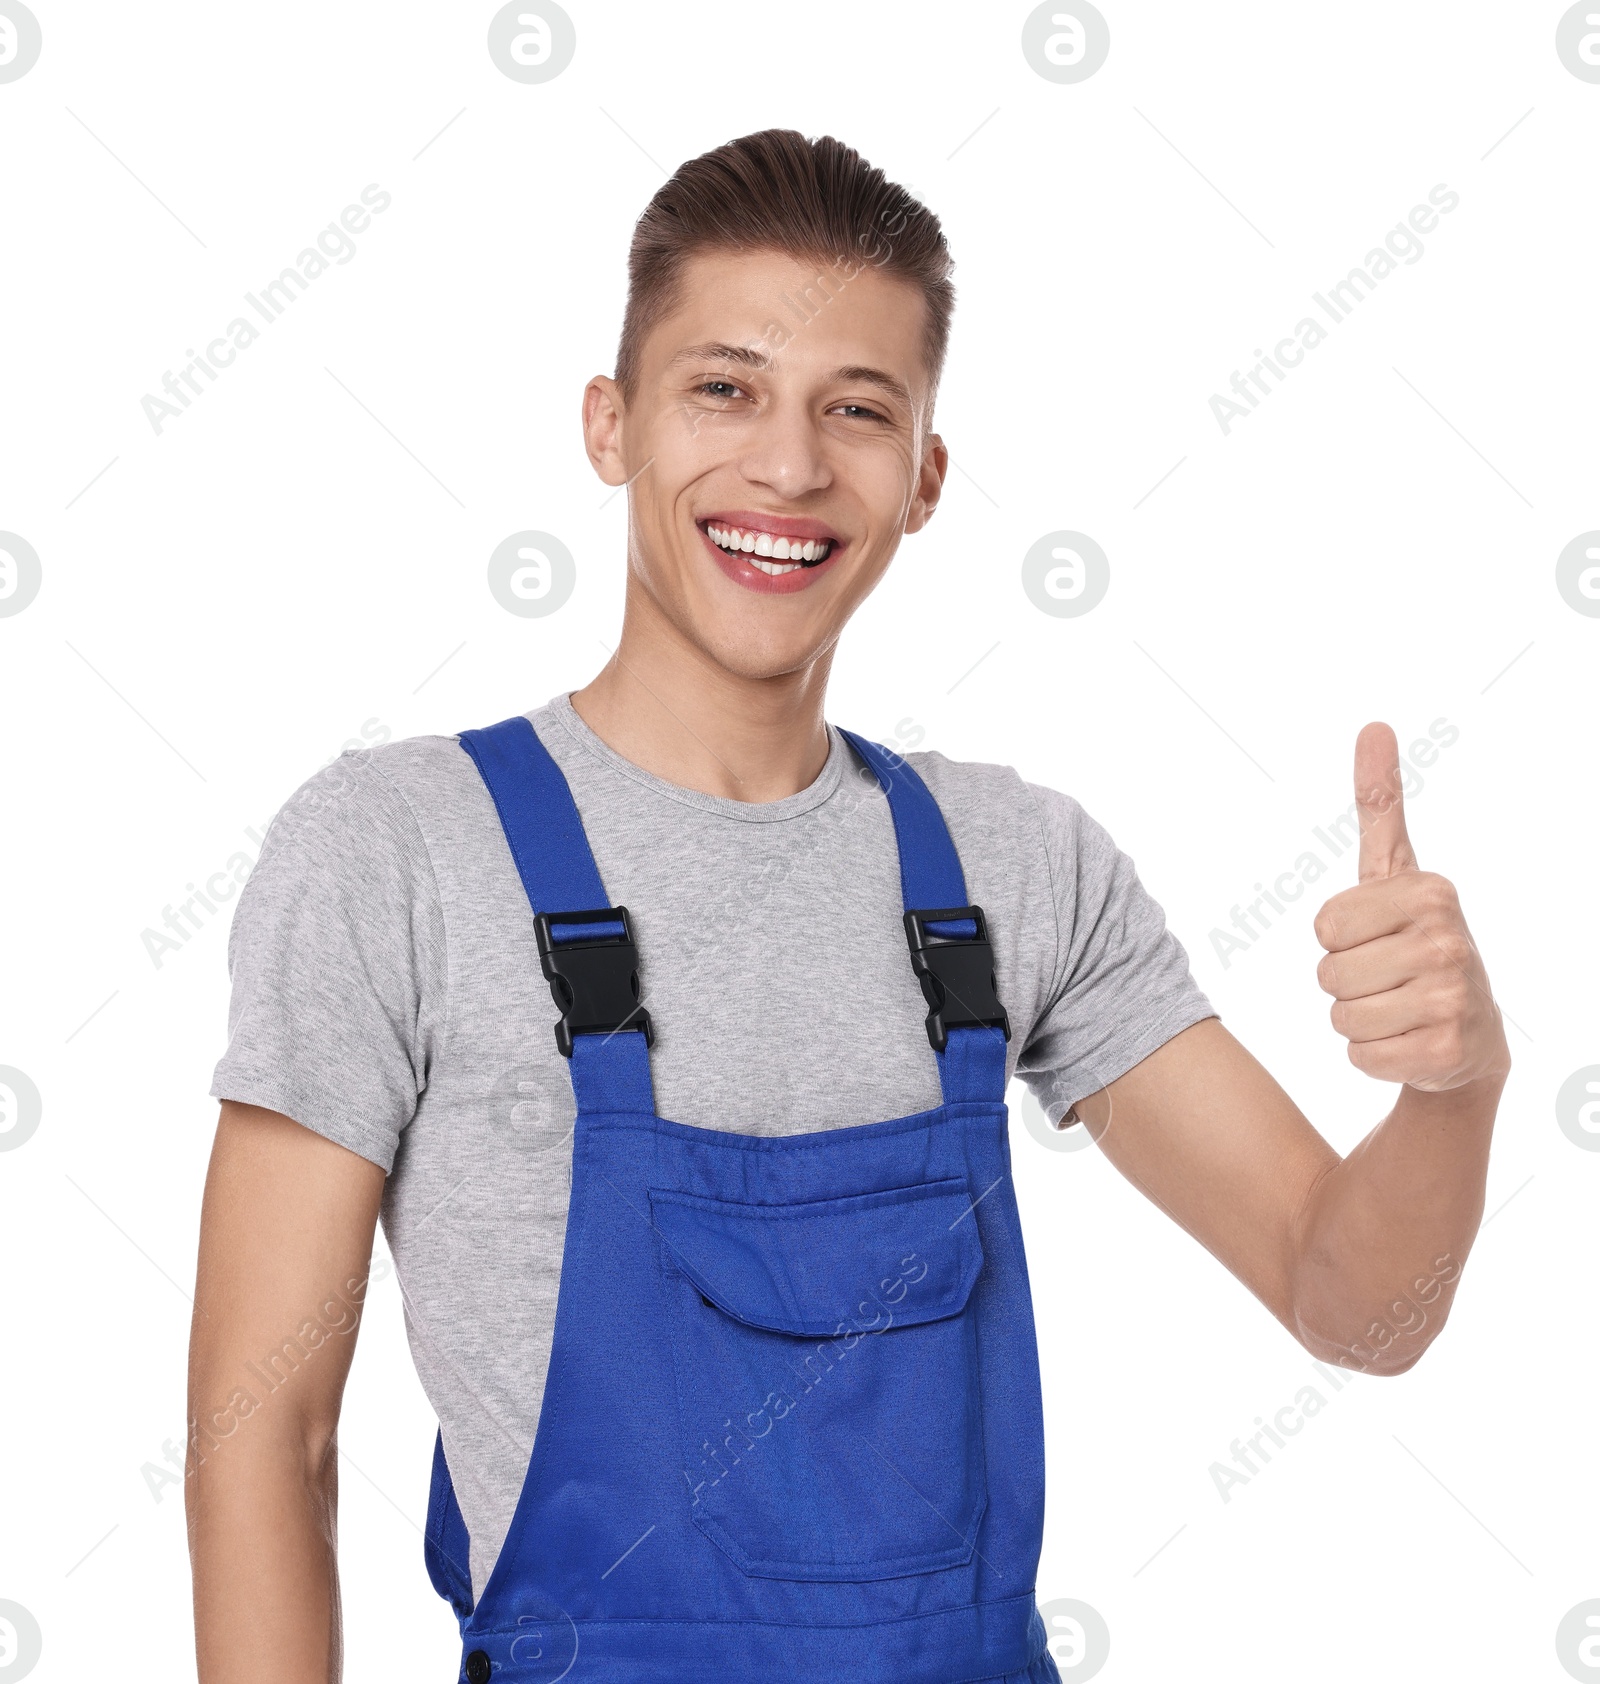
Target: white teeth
{"points": [[762, 545]]}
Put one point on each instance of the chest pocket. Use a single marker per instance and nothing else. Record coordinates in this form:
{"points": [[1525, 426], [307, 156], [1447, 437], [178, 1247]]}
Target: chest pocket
{"points": [[826, 1362]]}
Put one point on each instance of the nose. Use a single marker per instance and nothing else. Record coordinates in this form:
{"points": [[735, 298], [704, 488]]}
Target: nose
{"points": [[784, 451]]}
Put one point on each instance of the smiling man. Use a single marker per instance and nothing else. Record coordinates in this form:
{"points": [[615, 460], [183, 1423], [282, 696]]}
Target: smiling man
{"points": [[667, 1027]]}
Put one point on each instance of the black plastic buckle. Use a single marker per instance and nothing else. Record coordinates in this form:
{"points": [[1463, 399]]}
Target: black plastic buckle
{"points": [[956, 973], [595, 982]]}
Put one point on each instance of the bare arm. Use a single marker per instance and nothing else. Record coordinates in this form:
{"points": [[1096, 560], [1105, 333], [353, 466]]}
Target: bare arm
{"points": [[1358, 1257], [285, 1238]]}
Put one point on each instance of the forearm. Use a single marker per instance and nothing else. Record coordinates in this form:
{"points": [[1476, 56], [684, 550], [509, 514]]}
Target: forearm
{"points": [[262, 1542], [1385, 1233], [285, 1236]]}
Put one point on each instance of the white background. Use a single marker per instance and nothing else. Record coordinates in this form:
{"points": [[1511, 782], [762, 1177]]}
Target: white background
{"points": [[230, 601]]}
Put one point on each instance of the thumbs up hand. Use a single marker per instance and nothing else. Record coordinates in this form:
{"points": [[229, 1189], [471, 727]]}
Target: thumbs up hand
{"points": [[1409, 989]]}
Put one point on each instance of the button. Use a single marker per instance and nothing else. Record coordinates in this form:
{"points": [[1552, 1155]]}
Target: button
{"points": [[478, 1667]]}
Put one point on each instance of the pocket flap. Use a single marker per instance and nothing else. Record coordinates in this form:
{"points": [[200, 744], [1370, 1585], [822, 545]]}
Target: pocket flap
{"points": [[868, 1262]]}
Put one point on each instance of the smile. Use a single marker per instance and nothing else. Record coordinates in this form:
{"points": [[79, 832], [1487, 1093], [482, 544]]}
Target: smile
{"points": [[773, 555]]}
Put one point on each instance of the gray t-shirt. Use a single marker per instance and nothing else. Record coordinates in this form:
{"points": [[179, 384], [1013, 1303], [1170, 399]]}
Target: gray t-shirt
{"points": [[387, 994]]}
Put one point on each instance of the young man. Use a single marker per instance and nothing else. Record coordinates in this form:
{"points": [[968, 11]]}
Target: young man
{"points": [[718, 1291]]}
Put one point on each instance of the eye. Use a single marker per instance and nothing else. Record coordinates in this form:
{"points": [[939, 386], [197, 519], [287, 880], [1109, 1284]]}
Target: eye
{"points": [[722, 390], [859, 412]]}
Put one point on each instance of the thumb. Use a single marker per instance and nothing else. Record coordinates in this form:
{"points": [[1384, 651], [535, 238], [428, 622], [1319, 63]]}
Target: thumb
{"points": [[1380, 806]]}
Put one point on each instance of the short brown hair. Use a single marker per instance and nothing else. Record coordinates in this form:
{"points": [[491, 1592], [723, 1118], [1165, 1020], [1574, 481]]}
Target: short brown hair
{"points": [[778, 191]]}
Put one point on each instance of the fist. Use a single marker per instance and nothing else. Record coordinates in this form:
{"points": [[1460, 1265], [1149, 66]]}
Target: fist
{"points": [[1410, 993]]}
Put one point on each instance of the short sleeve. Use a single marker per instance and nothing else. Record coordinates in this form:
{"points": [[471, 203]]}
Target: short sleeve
{"points": [[336, 960], [1122, 984]]}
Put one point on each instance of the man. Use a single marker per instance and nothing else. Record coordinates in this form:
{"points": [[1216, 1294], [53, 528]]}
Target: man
{"points": [[785, 1421]]}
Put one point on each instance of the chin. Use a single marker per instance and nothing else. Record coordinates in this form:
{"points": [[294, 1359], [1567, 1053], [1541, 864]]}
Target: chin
{"points": [[740, 651]]}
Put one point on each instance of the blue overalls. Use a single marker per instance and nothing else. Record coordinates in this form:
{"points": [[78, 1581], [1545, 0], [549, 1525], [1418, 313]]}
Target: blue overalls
{"points": [[791, 1430]]}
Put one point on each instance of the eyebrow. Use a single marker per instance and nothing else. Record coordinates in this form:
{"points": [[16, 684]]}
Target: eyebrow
{"points": [[747, 356], [877, 377], [715, 352]]}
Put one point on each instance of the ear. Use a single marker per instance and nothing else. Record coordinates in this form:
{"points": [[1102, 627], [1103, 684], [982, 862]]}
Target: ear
{"points": [[930, 483], [602, 428]]}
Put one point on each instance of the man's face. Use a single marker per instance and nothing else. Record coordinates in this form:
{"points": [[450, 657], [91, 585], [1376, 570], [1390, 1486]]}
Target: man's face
{"points": [[776, 448]]}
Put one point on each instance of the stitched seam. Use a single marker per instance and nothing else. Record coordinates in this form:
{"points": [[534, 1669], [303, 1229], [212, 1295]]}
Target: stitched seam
{"points": [[1153, 1034], [714, 1528], [948, 1188], [785, 1143], [272, 1094], [761, 1566], [789, 1142], [773, 1625]]}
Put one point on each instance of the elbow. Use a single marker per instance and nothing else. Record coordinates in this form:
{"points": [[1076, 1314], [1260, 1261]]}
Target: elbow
{"points": [[247, 1446], [1357, 1319], [1380, 1350], [1381, 1365]]}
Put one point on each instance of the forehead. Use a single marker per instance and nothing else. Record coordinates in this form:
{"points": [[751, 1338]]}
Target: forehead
{"points": [[803, 316]]}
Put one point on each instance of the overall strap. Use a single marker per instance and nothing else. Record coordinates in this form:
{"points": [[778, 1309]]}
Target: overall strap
{"points": [[589, 960], [950, 955]]}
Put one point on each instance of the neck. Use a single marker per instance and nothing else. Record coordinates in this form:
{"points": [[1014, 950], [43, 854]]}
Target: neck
{"points": [[671, 708]]}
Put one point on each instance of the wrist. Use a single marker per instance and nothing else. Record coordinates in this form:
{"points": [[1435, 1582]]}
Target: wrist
{"points": [[1477, 1096]]}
